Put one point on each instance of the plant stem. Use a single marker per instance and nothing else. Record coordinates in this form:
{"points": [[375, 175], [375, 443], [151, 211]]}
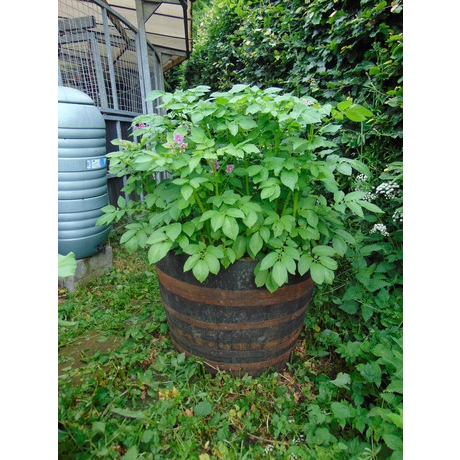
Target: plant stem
{"points": [[198, 200], [294, 206]]}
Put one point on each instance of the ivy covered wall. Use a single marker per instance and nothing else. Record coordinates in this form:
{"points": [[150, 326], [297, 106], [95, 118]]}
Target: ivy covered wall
{"points": [[331, 50]]}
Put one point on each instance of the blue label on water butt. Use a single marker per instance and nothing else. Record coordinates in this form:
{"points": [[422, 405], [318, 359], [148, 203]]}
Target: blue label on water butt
{"points": [[97, 163]]}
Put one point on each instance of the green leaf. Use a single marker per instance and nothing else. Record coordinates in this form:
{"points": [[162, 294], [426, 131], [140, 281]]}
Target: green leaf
{"points": [[67, 265], [289, 178], [173, 230], [233, 128], [247, 123], [349, 306], [353, 196], [230, 227], [200, 270], [395, 386], [191, 261], [131, 454], [198, 135], [358, 166], [155, 94], [328, 262], [342, 380], [213, 263], [317, 272], [312, 218], [98, 427], [322, 250], [355, 208], [255, 244], [136, 414], [369, 206], [250, 148], [186, 191], [344, 105], [340, 410], [234, 212], [269, 260], [279, 273], [371, 372], [304, 264], [203, 409], [339, 245], [158, 251], [393, 442], [217, 221], [344, 168], [357, 113]]}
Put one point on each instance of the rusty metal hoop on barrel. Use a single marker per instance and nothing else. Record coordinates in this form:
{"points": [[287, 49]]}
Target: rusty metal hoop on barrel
{"points": [[228, 321]]}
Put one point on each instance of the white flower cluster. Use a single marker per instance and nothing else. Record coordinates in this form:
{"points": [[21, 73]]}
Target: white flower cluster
{"points": [[397, 216], [380, 228], [298, 440], [268, 449], [361, 178], [388, 189]]}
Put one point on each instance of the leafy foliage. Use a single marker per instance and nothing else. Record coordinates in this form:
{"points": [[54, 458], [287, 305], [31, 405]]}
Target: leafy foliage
{"points": [[250, 173], [327, 49], [339, 397], [341, 394]]}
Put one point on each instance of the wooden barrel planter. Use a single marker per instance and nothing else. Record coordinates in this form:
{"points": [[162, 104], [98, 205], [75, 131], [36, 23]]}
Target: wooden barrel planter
{"points": [[228, 321]]}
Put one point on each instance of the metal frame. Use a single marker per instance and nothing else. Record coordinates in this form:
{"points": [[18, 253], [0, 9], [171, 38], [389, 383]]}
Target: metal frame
{"points": [[126, 37]]}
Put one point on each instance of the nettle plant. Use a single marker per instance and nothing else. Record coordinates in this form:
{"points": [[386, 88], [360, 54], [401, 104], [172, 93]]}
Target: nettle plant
{"points": [[247, 173]]}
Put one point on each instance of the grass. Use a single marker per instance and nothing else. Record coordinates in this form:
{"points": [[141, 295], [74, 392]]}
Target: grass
{"points": [[124, 392]]}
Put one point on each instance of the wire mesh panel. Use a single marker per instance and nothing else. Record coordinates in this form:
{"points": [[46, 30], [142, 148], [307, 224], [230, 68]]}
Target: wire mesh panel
{"points": [[98, 55]]}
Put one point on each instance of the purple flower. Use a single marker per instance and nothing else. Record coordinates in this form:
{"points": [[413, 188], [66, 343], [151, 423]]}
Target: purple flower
{"points": [[141, 125], [229, 169], [178, 138], [183, 145]]}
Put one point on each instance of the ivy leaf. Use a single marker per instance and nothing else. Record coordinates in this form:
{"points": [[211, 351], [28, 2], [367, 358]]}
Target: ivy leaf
{"points": [[357, 113]]}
